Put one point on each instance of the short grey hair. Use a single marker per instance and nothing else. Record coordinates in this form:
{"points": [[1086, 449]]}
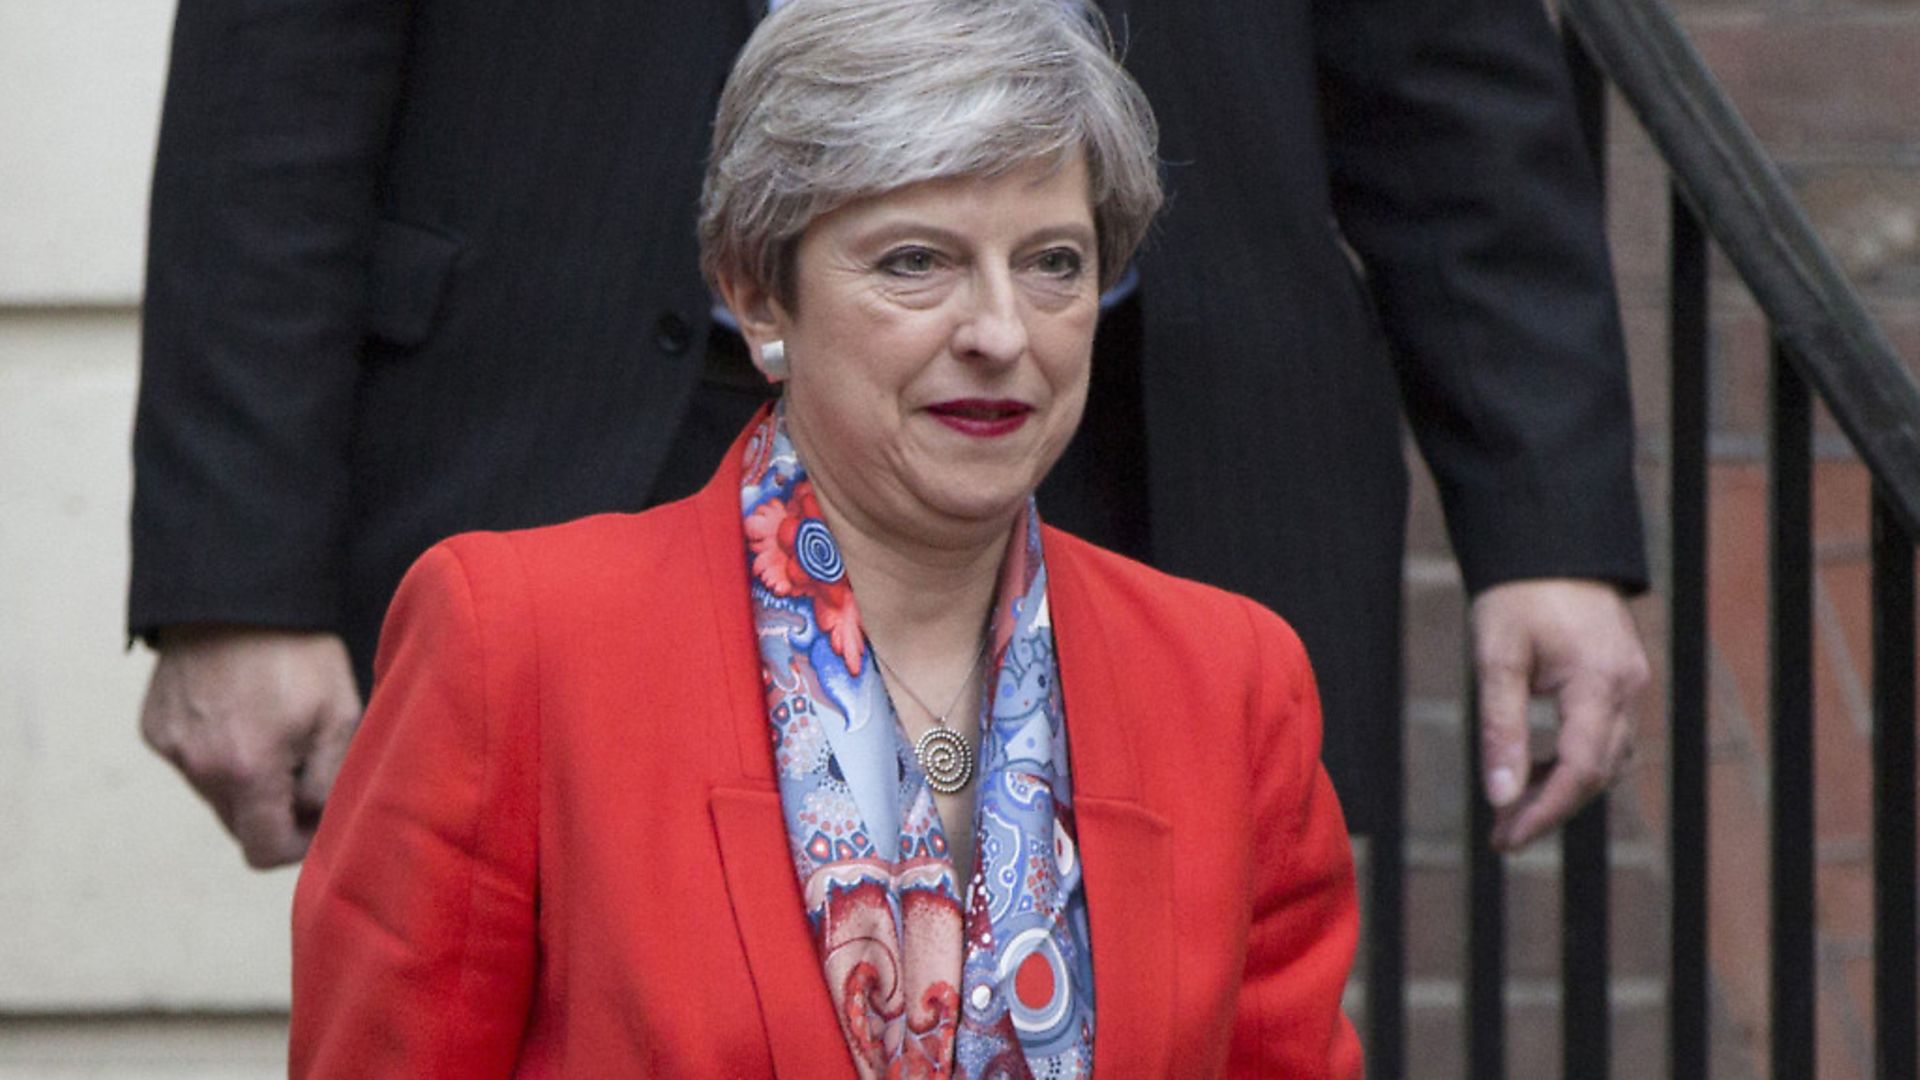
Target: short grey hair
{"points": [[837, 100]]}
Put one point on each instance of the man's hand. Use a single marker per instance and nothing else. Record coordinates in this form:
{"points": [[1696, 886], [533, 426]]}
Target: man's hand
{"points": [[258, 721], [1574, 641]]}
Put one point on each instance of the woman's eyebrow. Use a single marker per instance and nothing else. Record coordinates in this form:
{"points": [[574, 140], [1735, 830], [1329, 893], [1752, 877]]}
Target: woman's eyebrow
{"points": [[904, 228]]}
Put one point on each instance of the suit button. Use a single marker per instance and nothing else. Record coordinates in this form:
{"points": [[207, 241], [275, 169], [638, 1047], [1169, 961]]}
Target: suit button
{"points": [[672, 334]]}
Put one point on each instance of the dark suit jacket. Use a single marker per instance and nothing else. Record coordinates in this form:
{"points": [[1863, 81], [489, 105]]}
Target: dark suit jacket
{"points": [[556, 847], [424, 267]]}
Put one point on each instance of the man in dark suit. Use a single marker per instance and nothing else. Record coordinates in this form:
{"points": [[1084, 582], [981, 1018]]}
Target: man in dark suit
{"points": [[429, 267]]}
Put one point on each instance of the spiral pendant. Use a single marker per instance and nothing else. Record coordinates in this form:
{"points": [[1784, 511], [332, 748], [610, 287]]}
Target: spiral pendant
{"points": [[946, 758]]}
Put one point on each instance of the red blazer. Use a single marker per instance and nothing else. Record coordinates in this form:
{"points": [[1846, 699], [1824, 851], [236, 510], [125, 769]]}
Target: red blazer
{"points": [[556, 847]]}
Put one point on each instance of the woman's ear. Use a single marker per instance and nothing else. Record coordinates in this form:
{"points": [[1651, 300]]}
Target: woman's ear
{"points": [[762, 323]]}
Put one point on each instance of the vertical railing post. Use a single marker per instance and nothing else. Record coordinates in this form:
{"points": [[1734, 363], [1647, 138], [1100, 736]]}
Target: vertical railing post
{"points": [[1386, 936], [1486, 1012], [1687, 643], [1585, 989], [1790, 459], [1585, 1045], [1895, 1005]]}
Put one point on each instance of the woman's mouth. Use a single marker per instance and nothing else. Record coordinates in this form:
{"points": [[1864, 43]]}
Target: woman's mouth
{"points": [[981, 418]]}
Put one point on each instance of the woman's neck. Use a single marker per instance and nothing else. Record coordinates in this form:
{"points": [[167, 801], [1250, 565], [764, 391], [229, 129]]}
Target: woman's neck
{"points": [[924, 610], [923, 596], [922, 605]]}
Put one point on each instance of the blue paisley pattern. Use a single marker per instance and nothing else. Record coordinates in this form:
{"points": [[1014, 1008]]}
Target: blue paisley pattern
{"points": [[923, 983]]}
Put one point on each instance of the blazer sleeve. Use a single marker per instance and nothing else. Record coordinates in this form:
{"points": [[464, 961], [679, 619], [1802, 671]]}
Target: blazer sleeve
{"points": [[414, 917], [1461, 179], [1305, 919], [272, 140]]}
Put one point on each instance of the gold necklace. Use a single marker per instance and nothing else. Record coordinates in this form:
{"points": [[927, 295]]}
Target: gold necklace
{"points": [[943, 753]]}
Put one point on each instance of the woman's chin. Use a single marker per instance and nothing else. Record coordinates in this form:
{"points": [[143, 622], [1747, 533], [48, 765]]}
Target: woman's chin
{"points": [[975, 504], [981, 482]]}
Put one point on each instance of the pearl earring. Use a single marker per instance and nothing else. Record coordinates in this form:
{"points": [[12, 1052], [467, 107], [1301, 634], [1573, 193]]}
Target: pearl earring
{"points": [[773, 360]]}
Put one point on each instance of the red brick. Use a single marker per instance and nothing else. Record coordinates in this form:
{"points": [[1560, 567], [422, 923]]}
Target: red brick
{"points": [[1842, 506], [1856, 980], [1838, 1049], [1804, 83], [1896, 8], [1435, 657], [1436, 780], [1738, 377], [1691, 8], [1426, 524], [1362, 872], [1533, 921], [1650, 473], [1646, 780], [1848, 586], [1736, 592], [1639, 1040], [1627, 820], [1649, 612], [1842, 769], [1869, 217], [1533, 1038], [1738, 1051], [1639, 931], [1727, 289], [1739, 386], [1436, 930], [1646, 330], [1737, 897], [1436, 1042], [1843, 895], [1637, 186], [1899, 320]]}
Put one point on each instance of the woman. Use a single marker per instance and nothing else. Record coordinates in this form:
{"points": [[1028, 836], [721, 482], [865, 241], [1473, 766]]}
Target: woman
{"points": [[671, 793]]}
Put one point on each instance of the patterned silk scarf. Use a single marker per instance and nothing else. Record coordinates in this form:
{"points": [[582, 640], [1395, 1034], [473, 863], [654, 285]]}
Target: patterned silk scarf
{"points": [[923, 985]]}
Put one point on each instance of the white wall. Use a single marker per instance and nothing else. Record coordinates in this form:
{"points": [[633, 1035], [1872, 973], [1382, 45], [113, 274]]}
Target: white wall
{"points": [[79, 103], [118, 890]]}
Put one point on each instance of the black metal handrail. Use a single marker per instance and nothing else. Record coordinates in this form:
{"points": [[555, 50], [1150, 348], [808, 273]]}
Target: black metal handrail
{"points": [[1747, 208], [1825, 347]]}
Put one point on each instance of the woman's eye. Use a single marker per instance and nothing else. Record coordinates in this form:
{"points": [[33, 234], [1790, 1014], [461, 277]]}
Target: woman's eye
{"points": [[1058, 262], [908, 262]]}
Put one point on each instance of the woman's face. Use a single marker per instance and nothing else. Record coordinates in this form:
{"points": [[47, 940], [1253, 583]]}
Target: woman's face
{"points": [[939, 340]]}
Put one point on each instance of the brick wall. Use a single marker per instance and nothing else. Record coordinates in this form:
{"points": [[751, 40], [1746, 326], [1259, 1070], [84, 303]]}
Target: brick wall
{"points": [[1833, 90]]}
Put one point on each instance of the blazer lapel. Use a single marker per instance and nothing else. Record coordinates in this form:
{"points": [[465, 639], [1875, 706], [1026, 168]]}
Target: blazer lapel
{"points": [[1126, 850], [803, 1035]]}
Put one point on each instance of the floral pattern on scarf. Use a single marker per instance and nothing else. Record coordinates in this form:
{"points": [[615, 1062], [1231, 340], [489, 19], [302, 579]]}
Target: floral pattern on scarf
{"points": [[923, 984]]}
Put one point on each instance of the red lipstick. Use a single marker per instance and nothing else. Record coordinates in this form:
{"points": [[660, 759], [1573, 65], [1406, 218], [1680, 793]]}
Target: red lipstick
{"points": [[981, 418]]}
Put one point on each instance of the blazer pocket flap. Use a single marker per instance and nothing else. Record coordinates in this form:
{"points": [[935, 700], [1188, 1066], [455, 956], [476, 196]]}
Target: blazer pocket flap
{"points": [[407, 278]]}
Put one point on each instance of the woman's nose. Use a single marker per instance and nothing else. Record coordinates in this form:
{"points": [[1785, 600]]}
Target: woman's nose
{"points": [[993, 328]]}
